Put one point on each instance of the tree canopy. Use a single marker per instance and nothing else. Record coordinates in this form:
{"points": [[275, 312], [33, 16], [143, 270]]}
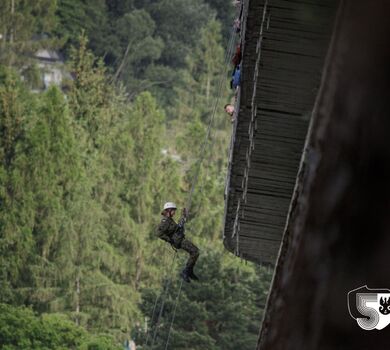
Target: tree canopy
{"points": [[86, 167]]}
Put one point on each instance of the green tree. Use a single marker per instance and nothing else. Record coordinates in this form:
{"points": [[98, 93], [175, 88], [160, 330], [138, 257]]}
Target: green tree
{"points": [[135, 30], [225, 15], [99, 115], [222, 311], [75, 16], [89, 94], [19, 21], [84, 177], [16, 209], [179, 23], [21, 328]]}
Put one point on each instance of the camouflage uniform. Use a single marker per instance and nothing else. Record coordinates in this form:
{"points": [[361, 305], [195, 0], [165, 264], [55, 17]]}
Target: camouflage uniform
{"points": [[169, 231]]}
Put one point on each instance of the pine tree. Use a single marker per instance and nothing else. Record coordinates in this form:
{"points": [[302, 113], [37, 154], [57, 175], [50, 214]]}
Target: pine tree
{"points": [[16, 208], [21, 328], [98, 115]]}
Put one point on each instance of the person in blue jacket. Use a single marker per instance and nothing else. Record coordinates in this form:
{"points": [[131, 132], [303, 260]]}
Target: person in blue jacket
{"points": [[236, 78]]}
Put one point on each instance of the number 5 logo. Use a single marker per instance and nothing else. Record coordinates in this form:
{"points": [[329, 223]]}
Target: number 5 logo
{"points": [[367, 307]]}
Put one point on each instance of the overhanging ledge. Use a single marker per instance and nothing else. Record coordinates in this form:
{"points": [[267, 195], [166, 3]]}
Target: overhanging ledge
{"points": [[284, 44]]}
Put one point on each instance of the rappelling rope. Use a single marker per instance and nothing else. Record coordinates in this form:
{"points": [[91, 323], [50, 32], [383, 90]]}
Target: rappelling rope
{"points": [[174, 314], [211, 120], [202, 153], [189, 200], [163, 295], [163, 302], [226, 60]]}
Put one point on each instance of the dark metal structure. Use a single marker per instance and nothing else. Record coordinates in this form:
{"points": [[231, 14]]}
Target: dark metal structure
{"points": [[284, 44]]}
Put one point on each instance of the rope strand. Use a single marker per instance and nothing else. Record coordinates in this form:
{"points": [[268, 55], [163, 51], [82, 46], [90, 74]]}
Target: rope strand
{"points": [[174, 315], [163, 295], [189, 200], [204, 145], [199, 163]]}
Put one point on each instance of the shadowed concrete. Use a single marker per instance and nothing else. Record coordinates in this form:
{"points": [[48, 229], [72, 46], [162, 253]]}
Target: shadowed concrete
{"points": [[284, 48], [338, 235]]}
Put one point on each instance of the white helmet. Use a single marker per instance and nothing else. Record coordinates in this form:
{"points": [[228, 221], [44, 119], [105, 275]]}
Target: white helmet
{"points": [[169, 205]]}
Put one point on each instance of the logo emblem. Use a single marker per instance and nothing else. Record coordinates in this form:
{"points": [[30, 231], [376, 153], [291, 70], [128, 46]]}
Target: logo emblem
{"points": [[370, 307]]}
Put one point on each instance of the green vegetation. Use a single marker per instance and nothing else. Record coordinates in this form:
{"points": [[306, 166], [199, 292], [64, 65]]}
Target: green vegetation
{"points": [[223, 311], [83, 177], [21, 328]]}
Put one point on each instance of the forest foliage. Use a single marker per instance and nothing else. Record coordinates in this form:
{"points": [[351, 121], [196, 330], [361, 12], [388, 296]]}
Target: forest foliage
{"points": [[86, 167]]}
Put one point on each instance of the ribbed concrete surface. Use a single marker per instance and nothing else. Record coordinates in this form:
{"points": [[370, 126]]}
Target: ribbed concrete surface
{"points": [[284, 48]]}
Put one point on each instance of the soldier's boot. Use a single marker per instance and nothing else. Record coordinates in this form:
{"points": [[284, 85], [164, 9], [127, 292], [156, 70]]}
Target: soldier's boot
{"points": [[185, 275], [192, 275]]}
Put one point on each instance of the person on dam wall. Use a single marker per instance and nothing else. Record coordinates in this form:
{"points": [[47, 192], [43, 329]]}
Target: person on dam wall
{"points": [[173, 233]]}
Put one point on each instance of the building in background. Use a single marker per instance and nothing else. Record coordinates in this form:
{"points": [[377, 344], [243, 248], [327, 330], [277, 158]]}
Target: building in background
{"points": [[51, 65]]}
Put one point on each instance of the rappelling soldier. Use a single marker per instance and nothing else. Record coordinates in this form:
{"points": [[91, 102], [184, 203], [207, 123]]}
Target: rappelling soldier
{"points": [[171, 232]]}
